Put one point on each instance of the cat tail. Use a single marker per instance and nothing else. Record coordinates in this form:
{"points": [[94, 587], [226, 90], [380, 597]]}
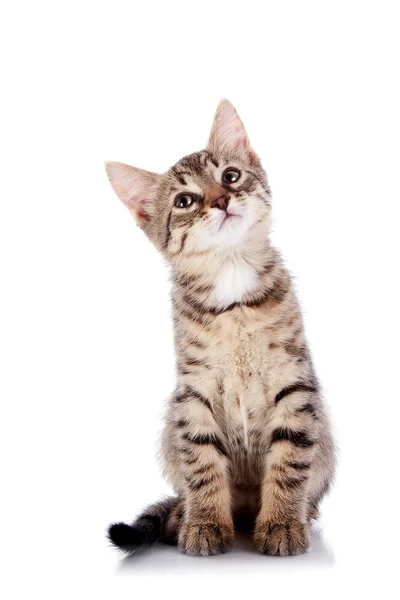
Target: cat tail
{"points": [[159, 522]]}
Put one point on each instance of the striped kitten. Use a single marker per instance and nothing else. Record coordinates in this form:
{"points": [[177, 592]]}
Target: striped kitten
{"points": [[247, 442]]}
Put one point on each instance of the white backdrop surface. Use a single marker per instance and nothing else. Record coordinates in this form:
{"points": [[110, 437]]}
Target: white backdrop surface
{"points": [[84, 378]]}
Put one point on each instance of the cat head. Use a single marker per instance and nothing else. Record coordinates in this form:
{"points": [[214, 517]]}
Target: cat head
{"points": [[211, 201]]}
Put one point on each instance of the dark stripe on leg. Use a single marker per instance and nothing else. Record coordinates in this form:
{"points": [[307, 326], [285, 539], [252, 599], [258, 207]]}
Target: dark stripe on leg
{"points": [[295, 387], [297, 438], [180, 398], [291, 482], [299, 465], [197, 485], [191, 392], [196, 394], [206, 439], [203, 470], [307, 408]]}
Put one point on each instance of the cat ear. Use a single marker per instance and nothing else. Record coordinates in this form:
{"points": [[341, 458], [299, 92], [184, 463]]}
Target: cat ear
{"points": [[228, 134], [134, 187]]}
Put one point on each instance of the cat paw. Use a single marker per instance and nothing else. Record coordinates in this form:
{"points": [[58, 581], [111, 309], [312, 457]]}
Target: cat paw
{"points": [[205, 539], [282, 539]]}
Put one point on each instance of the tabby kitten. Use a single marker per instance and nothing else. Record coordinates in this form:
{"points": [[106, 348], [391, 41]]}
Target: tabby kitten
{"points": [[247, 442]]}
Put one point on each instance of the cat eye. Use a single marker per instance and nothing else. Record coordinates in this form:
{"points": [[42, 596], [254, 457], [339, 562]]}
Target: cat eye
{"points": [[230, 176], [184, 200]]}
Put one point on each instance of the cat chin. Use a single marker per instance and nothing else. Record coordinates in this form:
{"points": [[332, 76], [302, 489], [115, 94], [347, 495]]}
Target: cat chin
{"points": [[232, 232], [225, 237]]}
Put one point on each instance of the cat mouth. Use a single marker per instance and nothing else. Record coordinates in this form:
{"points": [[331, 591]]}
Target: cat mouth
{"points": [[229, 219]]}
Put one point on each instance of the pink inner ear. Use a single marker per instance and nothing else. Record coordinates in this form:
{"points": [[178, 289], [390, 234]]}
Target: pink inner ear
{"points": [[135, 202], [132, 186], [140, 212], [138, 205], [228, 131], [242, 143], [238, 132]]}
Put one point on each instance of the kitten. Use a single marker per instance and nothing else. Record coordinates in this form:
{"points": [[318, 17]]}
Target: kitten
{"points": [[247, 442]]}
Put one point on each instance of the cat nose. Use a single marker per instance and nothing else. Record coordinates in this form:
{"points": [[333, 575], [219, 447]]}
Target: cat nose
{"points": [[221, 202]]}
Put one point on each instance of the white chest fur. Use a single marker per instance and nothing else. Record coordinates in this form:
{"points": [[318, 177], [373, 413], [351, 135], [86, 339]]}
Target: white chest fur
{"points": [[235, 279]]}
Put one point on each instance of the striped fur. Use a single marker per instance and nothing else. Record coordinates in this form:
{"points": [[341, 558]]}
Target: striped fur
{"points": [[246, 437]]}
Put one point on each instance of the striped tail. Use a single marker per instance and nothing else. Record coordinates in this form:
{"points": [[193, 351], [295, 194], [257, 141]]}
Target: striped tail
{"points": [[160, 522]]}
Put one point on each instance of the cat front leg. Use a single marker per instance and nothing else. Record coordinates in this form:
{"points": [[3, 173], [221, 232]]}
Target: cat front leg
{"points": [[208, 525], [282, 526]]}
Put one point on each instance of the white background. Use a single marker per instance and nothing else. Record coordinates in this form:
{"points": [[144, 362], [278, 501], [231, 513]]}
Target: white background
{"points": [[84, 376]]}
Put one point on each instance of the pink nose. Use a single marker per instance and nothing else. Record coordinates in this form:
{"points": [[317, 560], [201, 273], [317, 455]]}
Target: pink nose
{"points": [[221, 202]]}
